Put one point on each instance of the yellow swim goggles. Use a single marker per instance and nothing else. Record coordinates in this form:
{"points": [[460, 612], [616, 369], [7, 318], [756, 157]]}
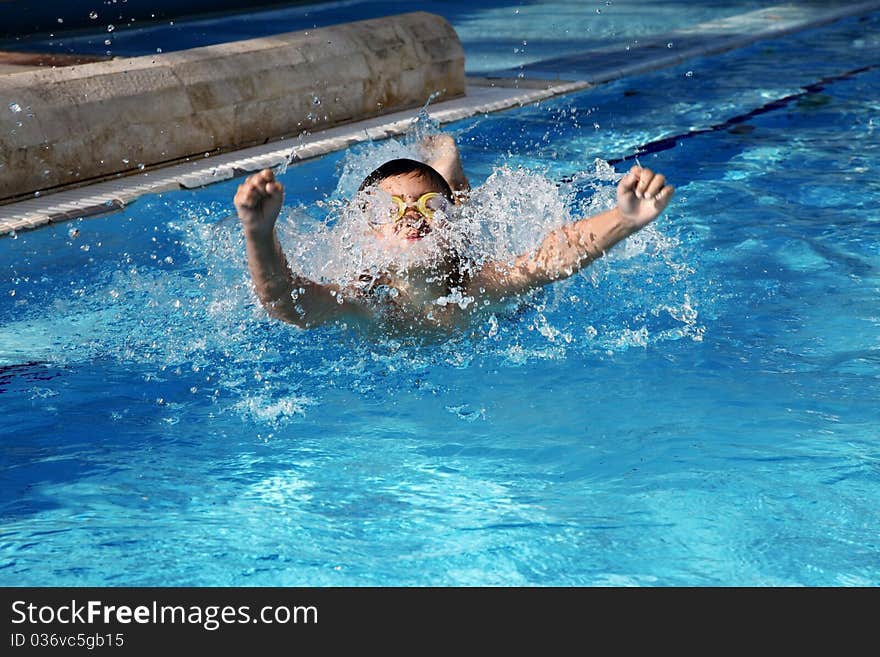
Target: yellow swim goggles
{"points": [[426, 205]]}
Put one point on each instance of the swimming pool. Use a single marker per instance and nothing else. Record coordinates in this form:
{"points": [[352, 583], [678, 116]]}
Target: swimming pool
{"points": [[700, 408], [496, 35]]}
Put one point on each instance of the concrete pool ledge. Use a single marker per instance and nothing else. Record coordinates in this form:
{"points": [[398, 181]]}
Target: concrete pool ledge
{"points": [[659, 51], [66, 125]]}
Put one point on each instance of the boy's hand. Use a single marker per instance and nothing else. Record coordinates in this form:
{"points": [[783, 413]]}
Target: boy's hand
{"points": [[258, 201], [641, 196]]}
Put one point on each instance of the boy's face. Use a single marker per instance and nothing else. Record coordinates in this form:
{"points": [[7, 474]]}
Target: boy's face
{"points": [[413, 225]]}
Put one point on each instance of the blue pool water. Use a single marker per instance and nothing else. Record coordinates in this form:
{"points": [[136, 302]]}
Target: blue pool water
{"points": [[496, 34], [700, 408]]}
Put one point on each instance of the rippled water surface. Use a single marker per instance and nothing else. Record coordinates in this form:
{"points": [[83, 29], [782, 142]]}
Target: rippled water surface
{"points": [[495, 34], [700, 407]]}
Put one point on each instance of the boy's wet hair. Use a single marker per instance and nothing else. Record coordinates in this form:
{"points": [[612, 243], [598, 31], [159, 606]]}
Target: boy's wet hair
{"points": [[403, 166]]}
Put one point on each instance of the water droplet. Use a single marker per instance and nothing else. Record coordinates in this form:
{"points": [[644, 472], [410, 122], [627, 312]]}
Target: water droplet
{"points": [[93, 15], [60, 20], [158, 50], [141, 166], [14, 107], [73, 233], [111, 27], [669, 45], [689, 74], [12, 293], [37, 194]]}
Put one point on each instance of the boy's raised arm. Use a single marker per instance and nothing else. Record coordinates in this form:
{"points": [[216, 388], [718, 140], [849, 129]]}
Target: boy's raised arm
{"points": [[641, 196], [293, 299]]}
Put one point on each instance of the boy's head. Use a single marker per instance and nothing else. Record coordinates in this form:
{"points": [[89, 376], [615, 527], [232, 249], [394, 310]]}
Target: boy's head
{"points": [[409, 193]]}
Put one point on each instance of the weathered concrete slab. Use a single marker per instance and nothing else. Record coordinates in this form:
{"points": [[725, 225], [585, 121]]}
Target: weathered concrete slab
{"points": [[86, 122], [111, 195]]}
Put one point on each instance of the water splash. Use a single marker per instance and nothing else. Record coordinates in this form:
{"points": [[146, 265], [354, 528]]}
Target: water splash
{"points": [[184, 309]]}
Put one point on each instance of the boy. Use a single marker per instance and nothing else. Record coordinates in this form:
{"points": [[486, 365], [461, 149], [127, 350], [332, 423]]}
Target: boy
{"points": [[405, 201]]}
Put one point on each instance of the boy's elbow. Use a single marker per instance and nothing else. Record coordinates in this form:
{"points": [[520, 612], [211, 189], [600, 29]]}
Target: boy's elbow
{"points": [[548, 267], [288, 312], [300, 320], [283, 313]]}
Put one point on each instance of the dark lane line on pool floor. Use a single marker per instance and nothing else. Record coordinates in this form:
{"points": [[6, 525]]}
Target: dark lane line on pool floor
{"points": [[667, 143]]}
